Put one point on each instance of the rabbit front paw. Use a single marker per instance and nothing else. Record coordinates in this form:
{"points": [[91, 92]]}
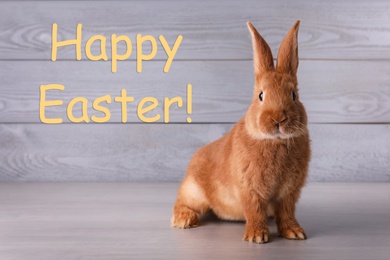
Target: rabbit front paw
{"points": [[294, 232], [259, 236]]}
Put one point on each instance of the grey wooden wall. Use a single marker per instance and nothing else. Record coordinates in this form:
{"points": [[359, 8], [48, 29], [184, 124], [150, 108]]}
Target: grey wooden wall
{"points": [[344, 82]]}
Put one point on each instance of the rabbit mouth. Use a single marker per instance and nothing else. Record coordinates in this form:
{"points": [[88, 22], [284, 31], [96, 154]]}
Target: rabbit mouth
{"points": [[283, 131], [281, 135], [290, 130], [269, 129], [277, 134]]}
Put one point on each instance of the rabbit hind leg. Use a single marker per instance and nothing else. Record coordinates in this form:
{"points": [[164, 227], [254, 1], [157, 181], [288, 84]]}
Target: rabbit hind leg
{"points": [[190, 205]]}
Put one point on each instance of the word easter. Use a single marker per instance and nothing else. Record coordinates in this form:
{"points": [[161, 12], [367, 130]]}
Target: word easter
{"points": [[115, 57], [145, 105]]}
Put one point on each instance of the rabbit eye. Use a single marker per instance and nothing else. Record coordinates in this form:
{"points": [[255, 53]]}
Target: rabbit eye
{"points": [[294, 95], [261, 96]]}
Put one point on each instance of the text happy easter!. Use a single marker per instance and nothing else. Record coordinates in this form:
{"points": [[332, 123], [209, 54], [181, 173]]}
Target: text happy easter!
{"points": [[102, 104]]}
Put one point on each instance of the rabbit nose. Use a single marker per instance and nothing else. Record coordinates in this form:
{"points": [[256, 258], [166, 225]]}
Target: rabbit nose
{"points": [[278, 122]]}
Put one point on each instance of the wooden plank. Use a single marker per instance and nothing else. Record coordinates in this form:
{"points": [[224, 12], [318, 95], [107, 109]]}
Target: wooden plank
{"points": [[118, 152], [131, 221], [333, 91], [211, 29]]}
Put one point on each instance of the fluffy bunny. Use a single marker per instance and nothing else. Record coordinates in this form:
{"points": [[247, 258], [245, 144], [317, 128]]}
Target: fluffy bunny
{"points": [[262, 163]]}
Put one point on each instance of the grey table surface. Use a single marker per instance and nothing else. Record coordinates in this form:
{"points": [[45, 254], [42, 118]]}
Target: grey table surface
{"points": [[132, 221]]}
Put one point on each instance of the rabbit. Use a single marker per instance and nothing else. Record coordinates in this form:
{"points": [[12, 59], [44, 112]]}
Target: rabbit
{"points": [[261, 165]]}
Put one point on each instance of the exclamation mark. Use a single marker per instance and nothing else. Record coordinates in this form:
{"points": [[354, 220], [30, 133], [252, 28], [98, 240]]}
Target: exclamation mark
{"points": [[189, 102]]}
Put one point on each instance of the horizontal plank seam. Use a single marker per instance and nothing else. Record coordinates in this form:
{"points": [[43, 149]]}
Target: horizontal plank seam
{"points": [[184, 123], [186, 60]]}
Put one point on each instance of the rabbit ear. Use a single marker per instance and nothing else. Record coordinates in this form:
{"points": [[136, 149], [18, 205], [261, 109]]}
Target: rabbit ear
{"points": [[262, 55], [288, 52]]}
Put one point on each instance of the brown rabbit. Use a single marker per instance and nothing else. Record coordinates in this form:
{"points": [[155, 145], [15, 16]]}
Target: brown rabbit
{"points": [[262, 163]]}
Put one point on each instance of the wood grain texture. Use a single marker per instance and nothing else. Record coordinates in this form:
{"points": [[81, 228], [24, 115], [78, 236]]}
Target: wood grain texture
{"points": [[344, 78], [212, 29], [112, 152], [131, 221], [332, 91]]}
